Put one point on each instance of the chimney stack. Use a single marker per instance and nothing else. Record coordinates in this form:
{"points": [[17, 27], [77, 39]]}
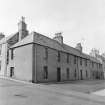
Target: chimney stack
{"points": [[22, 28], [1, 36], [58, 37], [79, 47]]}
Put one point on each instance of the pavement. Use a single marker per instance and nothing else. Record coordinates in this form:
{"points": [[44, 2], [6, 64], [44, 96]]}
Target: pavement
{"points": [[100, 92], [14, 92], [84, 86]]}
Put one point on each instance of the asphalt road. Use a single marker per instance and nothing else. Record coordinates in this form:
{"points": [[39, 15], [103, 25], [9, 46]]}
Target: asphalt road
{"points": [[17, 93]]}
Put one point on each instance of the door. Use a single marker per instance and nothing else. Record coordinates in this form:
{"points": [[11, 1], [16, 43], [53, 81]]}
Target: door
{"points": [[81, 74], [58, 74], [67, 73], [11, 71]]}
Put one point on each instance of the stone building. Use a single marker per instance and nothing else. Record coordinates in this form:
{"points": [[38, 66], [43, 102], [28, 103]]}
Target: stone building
{"points": [[38, 58], [7, 42], [2, 50], [103, 62], [101, 57]]}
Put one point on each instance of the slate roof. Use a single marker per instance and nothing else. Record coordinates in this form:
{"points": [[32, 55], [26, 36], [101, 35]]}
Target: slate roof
{"points": [[37, 38], [5, 39]]}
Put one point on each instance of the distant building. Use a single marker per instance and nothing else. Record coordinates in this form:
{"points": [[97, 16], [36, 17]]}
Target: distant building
{"points": [[38, 58], [103, 62], [101, 57]]}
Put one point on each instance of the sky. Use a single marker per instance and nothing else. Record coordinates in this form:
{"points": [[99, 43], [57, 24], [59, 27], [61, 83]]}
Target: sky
{"points": [[80, 21]]}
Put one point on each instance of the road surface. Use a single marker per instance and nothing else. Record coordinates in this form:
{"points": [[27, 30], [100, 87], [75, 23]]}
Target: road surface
{"points": [[18, 93]]}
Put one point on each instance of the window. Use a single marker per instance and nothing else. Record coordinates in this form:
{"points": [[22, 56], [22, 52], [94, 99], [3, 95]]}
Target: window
{"points": [[93, 73], [0, 49], [46, 53], [86, 73], [92, 64], [75, 74], [97, 65], [12, 54], [7, 56], [85, 62], [101, 74], [80, 61], [45, 72], [67, 58], [67, 71], [100, 66], [74, 59], [0, 65], [58, 56]]}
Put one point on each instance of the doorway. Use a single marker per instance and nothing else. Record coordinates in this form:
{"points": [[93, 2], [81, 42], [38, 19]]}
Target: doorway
{"points": [[58, 74], [11, 71], [81, 74], [67, 73]]}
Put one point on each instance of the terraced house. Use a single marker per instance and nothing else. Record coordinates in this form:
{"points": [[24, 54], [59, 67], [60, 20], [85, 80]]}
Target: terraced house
{"points": [[38, 58]]}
